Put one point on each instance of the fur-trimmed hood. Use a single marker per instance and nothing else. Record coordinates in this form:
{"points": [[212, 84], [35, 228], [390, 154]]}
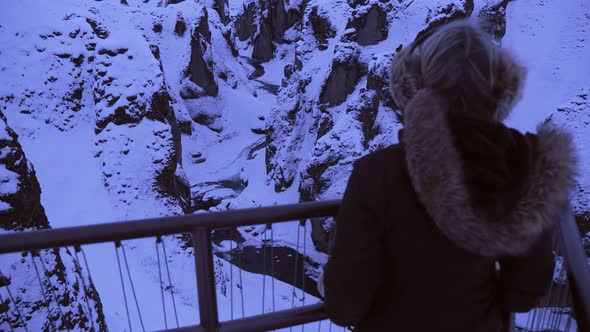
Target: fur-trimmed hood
{"points": [[488, 188], [437, 169]]}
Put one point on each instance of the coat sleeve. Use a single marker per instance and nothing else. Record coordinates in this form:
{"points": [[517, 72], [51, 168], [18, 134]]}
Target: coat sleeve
{"points": [[525, 280], [354, 271]]}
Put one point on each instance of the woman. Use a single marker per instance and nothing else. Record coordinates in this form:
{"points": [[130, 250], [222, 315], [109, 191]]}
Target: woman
{"points": [[451, 227]]}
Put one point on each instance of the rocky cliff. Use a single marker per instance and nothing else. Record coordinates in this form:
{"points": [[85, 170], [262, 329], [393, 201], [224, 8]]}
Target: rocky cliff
{"points": [[68, 299]]}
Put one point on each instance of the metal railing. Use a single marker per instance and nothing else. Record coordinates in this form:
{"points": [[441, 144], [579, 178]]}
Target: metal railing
{"points": [[568, 298], [201, 225]]}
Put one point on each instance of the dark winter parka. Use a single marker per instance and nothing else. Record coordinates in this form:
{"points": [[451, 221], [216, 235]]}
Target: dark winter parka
{"points": [[424, 223]]}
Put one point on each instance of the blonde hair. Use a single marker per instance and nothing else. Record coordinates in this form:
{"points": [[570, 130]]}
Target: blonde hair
{"points": [[461, 62]]}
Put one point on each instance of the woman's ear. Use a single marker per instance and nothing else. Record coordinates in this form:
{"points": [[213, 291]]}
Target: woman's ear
{"points": [[510, 78]]}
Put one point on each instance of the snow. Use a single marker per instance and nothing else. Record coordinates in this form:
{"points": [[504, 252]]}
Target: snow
{"points": [[5, 206], [552, 39], [9, 181], [92, 173]]}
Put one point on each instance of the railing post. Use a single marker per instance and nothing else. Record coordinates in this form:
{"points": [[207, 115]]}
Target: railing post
{"points": [[578, 273], [205, 279]]}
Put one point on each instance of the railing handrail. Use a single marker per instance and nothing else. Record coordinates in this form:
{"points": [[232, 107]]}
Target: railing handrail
{"points": [[200, 226], [134, 229]]}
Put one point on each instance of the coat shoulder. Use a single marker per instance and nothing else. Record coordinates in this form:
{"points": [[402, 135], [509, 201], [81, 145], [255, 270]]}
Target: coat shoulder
{"points": [[380, 159]]}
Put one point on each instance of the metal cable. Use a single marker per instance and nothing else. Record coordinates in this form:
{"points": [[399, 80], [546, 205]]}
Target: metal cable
{"points": [[528, 319], [7, 314], [570, 317], [264, 269], [86, 264], [52, 291], [559, 289], [303, 266], [319, 326], [563, 301], [132, 287], [117, 244], [272, 266], [42, 288], [295, 272], [240, 252], [76, 249], [158, 240], [331, 235], [170, 281], [231, 276], [557, 312], [20, 316]]}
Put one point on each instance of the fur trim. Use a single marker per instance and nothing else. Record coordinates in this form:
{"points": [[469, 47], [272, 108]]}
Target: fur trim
{"points": [[435, 170], [509, 83], [405, 81]]}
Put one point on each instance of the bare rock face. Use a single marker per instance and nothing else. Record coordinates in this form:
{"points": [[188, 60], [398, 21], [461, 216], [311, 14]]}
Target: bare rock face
{"points": [[282, 18], [221, 7], [492, 18], [345, 72], [370, 24], [74, 303], [20, 193], [321, 27], [245, 23], [264, 47], [200, 69], [180, 26], [263, 23]]}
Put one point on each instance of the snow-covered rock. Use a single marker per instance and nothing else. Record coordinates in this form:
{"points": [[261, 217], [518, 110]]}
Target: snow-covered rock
{"points": [[19, 189], [326, 117], [68, 299], [134, 109]]}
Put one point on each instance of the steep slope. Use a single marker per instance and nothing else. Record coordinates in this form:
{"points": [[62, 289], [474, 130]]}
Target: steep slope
{"points": [[133, 109], [68, 299], [326, 117]]}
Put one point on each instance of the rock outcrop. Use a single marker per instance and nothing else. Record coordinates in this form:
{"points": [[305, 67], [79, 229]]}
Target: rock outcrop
{"points": [[350, 112], [200, 69], [263, 23], [370, 23], [346, 70], [136, 128], [492, 18], [321, 27], [20, 192], [69, 300]]}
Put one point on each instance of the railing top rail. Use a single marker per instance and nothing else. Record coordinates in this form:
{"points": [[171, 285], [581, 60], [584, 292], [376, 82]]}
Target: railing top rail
{"points": [[127, 230]]}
